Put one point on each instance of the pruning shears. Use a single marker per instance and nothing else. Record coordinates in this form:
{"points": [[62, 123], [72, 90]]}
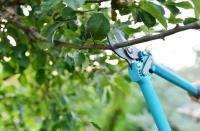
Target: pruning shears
{"points": [[141, 66]]}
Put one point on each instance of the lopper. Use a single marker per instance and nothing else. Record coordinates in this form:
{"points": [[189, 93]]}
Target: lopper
{"points": [[141, 66]]}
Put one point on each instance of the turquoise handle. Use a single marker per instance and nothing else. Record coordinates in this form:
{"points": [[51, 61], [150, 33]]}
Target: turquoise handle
{"points": [[154, 104], [150, 98], [175, 79]]}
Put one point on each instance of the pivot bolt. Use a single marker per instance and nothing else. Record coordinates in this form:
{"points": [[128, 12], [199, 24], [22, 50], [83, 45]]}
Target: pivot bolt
{"points": [[139, 65]]}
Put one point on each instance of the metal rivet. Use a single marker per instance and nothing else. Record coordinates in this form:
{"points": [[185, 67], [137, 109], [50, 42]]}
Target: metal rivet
{"points": [[138, 65]]}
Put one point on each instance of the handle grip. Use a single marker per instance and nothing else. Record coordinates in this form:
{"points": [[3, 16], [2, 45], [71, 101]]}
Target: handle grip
{"points": [[175, 79], [154, 104], [150, 97]]}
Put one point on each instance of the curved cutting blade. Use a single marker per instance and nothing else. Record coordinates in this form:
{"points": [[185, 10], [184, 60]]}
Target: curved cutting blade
{"points": [[117, 38], [127, 53]]}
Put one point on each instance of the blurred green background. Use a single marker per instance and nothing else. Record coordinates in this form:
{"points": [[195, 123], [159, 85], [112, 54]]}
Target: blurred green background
{"points": [[108, 102]]}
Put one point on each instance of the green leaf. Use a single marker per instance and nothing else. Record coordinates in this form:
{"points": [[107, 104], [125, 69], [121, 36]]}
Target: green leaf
{"points": [[155, 12], [135, 13], [23, 62], [124, 11], [184, 4], [5, 48], [39, 60], [96, 125], [52, 30], [74, 3], [79, 58], [129, 30], [147, 18], [172, 19], [9, 68], [23, 80], [47, 5], [19, 56], [160, 8], [40, 76], [68, 13], [69, 63], [43, 46], [161, 1], [197, 8], [72, 25], [99, 89], [189, 20], [122, 84], [173, 9], [98, 26]]}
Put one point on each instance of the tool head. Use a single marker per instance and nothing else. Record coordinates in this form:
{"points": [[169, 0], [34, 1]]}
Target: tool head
{"points": [[128, 53]]}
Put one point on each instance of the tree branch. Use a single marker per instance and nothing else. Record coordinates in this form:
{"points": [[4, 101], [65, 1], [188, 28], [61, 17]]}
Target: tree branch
{"points": [[195, 25], [33, 34]]}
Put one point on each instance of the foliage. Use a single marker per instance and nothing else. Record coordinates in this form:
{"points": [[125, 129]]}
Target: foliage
{"points": [[45, 86]]}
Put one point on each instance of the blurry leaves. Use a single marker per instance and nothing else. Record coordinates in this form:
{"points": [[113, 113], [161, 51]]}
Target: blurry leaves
{"points": [[99, 89], [96, 126], [129, 30], [74, 3], [72, 25], [43, 46], [135, 13], [173, 9], [40, 76], [98, 26], [9, 69], [5, 48], [184, 4], [68, 13], [52, 30], [155, 10], [124, 11], [159, 8], [19, 56], [23, 80], [147, 19], [47, 5], [69, 63], [172, 19], [79, 58], [39, 60], [196, 4], [162, 1], [101, 82], [122, 84], [189, 20]]}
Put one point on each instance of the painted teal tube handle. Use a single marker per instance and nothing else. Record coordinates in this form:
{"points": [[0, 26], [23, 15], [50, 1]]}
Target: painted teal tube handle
{"points": [[175, 79], [154, 104], [150, 97]]}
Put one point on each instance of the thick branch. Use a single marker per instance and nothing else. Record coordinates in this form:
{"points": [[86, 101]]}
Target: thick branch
{"points": [[195, 25]]}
